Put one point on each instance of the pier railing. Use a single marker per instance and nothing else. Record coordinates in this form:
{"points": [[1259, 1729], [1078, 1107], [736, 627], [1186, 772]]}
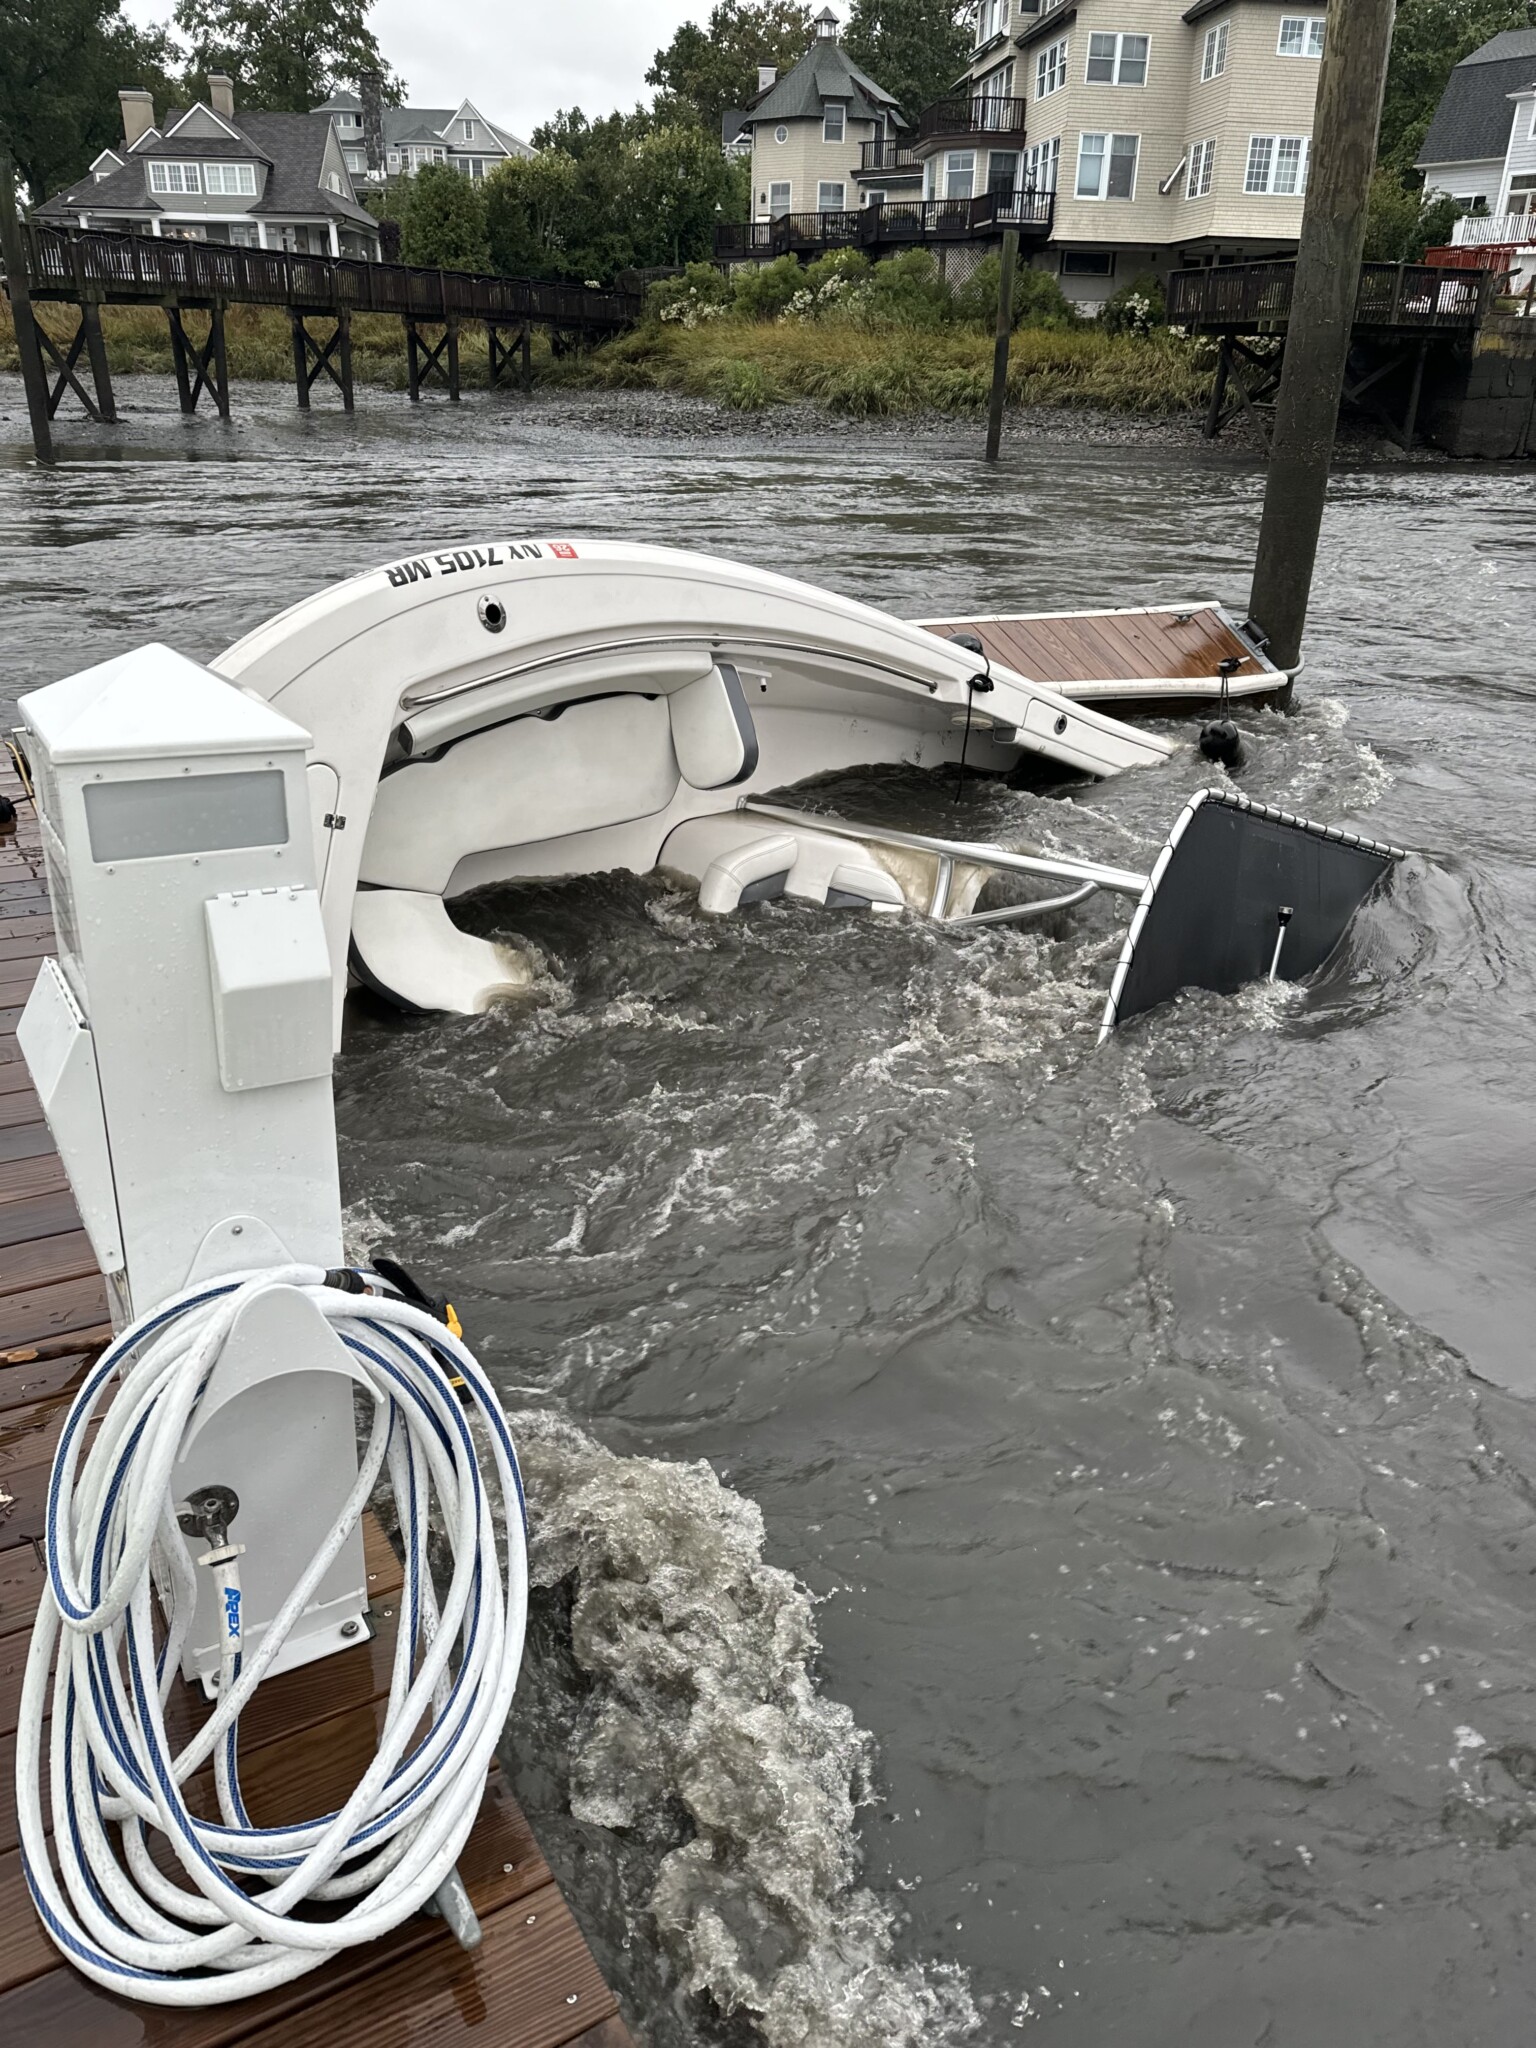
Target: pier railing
{"points": [[1257, 296], [895, 223], [128, 269]]}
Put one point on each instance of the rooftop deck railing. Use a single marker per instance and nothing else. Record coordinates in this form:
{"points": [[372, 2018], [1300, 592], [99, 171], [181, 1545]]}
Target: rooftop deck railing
{"points": [[70, 263], [1258, 296], [981, 114], [894, 222]]}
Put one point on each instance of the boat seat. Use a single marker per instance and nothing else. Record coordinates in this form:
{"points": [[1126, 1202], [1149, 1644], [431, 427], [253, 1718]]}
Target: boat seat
{"points": [[736, 859], [712, 731], [601, 762]]}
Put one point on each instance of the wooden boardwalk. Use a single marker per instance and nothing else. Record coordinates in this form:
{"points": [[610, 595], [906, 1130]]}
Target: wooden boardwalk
{"points": [[91, 268], [307, 1736]]}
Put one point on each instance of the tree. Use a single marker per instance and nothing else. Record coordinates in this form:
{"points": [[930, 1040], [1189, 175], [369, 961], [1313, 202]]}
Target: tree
{"points": [[1429, 38], [442, 221], [916, 49], [63, 65], [286, 55], [1401, 225], [706, 70]]}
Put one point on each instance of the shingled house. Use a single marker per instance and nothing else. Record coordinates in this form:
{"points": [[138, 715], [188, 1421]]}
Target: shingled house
{"points": [[206, 174], [408, 138], [1481, 149]]}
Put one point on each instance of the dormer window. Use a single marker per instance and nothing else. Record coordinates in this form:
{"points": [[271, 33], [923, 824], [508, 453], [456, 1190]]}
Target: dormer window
{"points": [[235, 181], [164, 177], [467, 130], [832, 121]]}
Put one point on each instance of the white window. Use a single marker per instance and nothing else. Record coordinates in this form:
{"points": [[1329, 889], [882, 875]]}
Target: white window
{"points": [[439, 156], [778, 199], [1051, 70], [1117, 60], [1106, 166], [164, 177], [991, 19], [467, 130], [1277, 164], [1214, 59], [832, 121], [1042, 164], [1202, 157], [1301, 35], [239, 180], [781, 133], [333, 180], [960, 174], [830, 196]]}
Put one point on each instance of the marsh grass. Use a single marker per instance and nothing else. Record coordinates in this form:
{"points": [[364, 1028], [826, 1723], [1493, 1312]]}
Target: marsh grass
{"points": [[750, 364], [742, 364]]}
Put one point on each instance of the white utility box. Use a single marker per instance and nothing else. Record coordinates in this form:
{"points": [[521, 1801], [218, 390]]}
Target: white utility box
{"points": [[181, 1049]]}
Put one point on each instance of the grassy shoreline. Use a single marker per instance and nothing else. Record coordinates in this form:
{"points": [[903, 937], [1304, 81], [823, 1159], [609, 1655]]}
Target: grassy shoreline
{"points": [[743, 365]]}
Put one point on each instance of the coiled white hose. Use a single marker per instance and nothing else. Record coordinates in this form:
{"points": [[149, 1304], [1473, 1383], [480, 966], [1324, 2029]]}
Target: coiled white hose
{"points": [[206, 1940]]}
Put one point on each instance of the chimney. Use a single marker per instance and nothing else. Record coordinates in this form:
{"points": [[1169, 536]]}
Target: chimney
{"points": [[767, 74], [138, 113], [221, 94], [370, 90]]}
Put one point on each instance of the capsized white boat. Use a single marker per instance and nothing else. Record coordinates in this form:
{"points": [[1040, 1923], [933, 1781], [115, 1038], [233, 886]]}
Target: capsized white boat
{"points": [[550, 707]]}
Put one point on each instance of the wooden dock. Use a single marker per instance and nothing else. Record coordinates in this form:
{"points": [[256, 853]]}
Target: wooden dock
{"points": [[307, 1736], [90, 268], [1403, 312], [1147, 659]]}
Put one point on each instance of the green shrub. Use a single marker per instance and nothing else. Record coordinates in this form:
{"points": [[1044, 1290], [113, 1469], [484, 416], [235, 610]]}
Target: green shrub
{"points": [[763, 294], [1136, 308], [700, 293], [1038, 300], [907, 291]]}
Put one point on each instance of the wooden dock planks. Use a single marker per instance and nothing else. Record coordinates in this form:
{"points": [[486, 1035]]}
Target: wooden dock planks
{"points": [[1089, 653], [307, 1735]]}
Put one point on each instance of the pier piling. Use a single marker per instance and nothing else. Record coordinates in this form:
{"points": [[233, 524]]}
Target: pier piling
{"points": [[1349, 95], [34, 377], [1003, 343]]}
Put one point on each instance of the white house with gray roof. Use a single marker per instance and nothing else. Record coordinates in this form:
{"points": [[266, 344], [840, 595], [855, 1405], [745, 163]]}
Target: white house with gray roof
{"points": [[411, 137], [208, 174], [826, 138], [1481, 144]]}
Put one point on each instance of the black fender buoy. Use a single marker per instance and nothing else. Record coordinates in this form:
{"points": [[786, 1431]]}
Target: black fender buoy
{"points": [[7, 815], [1221, 741]]}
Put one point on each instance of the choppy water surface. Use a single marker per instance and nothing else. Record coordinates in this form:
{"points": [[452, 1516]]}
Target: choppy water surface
{"points": [[1152, 1428]]}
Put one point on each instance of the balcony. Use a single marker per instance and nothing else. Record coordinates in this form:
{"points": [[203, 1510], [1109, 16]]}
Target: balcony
{"points": [[984, 118], [1505, 230], [892, 159], [897, 224]]}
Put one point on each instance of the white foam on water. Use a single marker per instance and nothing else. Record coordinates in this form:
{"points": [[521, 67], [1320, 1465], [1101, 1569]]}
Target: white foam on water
{"points": [[700, 1657]]}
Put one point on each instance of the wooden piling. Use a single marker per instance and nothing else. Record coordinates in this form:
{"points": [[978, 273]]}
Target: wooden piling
{"points": [[34, 377], [344, 338], [96, 351], [1349, 95], [300, 361], [412, 364], [219, 353], [180, 352], [453, 357], [1003, 343]]}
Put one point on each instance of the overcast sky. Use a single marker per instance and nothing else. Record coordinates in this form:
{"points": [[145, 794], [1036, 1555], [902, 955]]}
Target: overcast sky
{"points": [[518, 60]]}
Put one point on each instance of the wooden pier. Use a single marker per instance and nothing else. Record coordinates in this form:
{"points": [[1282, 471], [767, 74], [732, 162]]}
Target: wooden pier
{"points": [[1402, 311], [308, 1735], [321, 295]]}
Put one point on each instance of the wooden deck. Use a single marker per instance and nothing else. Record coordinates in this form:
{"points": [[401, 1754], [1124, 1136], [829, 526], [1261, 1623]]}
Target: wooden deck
{"points": [[1142, 660], [308, 1735]]}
